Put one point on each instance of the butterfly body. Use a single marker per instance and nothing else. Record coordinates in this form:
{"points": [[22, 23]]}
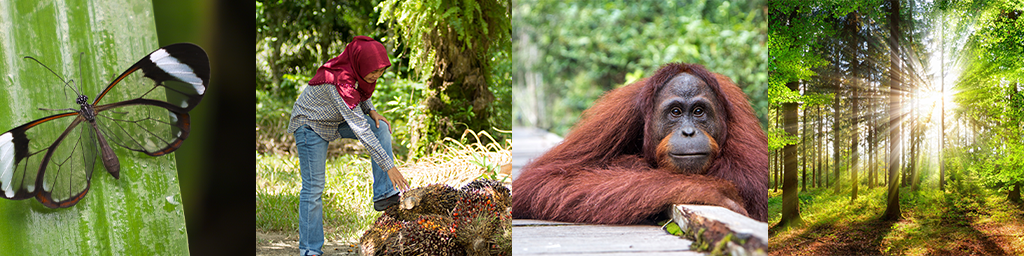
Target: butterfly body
{"points": [[56, 168]]}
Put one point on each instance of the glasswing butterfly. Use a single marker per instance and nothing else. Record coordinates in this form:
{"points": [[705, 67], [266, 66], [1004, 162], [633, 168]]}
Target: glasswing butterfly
{"points": [[52, 158]]}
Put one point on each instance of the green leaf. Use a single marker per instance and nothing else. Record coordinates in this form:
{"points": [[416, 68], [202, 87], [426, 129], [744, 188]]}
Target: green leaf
{"points": [[672, 228], [138, 214]]}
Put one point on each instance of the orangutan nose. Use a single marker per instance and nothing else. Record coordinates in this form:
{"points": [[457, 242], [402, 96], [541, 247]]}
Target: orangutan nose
{"points": [[689, 131]]}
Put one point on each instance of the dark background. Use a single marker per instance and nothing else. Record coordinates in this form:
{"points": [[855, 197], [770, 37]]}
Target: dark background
{"points": [[214, 167]]}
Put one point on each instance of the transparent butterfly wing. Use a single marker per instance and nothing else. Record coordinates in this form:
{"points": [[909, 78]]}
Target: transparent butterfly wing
{"points": [[69, 164], [148, 111], [147, 126], [51, 158]]}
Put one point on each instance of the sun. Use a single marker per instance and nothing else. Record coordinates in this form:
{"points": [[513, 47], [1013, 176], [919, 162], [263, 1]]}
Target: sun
{"points": [[937, 101]]}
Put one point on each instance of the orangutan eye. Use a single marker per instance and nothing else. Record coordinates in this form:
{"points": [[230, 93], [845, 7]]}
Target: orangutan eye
{"points": [[698, 112], [676, 112]]}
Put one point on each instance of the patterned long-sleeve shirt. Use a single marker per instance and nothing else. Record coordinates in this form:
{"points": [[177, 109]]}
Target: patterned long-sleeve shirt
{"points": [[323, 109]]}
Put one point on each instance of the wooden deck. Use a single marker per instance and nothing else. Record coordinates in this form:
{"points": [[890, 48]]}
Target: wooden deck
{"points": [[537, 237], [529, 143]]}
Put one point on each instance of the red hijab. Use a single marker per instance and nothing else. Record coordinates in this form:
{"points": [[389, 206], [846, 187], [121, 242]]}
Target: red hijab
{"points": [[361, 57]]}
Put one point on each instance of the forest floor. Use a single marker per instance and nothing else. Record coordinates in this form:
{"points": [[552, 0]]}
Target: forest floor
{"points": [[287, 243], [973, 221]]}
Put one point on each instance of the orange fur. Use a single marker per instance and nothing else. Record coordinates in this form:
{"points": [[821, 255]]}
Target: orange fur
{"points": [[607, 169]]}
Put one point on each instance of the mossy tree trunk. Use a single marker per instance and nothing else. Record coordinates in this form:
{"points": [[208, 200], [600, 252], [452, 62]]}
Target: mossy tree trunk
{"points": [[454, 45]]}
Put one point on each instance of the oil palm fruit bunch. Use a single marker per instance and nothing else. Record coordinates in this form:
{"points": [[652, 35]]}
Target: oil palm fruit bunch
{"points": [[426, 235], [436, 199], [482, 219], [441, 220]]}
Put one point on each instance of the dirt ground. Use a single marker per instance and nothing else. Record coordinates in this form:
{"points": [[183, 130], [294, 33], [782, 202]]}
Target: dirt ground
{"points": [[281, 243]]}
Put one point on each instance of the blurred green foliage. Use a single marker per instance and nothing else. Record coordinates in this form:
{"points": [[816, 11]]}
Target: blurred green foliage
{"points": [[581, 49]]}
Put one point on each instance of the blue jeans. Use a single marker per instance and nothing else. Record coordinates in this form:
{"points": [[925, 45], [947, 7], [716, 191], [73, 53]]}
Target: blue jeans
{"points": [[312, 163]]}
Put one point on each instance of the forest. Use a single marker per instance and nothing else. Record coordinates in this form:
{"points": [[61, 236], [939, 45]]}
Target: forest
{"points": [[896, 127], [446, 96]]}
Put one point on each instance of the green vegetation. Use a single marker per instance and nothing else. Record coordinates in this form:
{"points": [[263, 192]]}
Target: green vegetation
{"points": [[446, 96], [460, 49], [568, 53], [897, 127], [398, 100], [348, 207], [437, 87]]}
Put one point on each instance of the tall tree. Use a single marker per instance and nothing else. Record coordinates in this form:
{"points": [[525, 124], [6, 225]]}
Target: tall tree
{"points": [[803, 143], [872, 145], [852, 30], [892, 207], [835, 137], [778, 152], [790, 202], [942, 102], [817, 151], [915, 144]]}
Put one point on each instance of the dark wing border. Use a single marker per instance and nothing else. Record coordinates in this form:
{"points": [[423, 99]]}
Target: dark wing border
{"points": [[20, 143], [170, 63]]}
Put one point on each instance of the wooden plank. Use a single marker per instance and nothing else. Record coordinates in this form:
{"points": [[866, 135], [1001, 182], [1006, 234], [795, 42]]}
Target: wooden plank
{"points": [[535, 237], [529, 143], [713, 223]]}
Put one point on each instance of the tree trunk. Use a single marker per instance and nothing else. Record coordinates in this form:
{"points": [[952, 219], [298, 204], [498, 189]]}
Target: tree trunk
{"points": [[803, 147], [778, 152], [790, 201], [835, 139], [854, 141], [872, 146], [852, 29], [825, 161], [914, 145], [275, 65], [817, 151], [458, 96], [942, 105], [771, 168], [458, 83], [892, 208], [1015, 193]]}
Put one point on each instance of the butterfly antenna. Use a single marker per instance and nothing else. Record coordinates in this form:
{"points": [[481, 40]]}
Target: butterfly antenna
{"points": [[81, 78], [55, 74]]}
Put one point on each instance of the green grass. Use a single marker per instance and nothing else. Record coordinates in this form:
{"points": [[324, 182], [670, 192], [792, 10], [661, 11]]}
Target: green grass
{"points": [[348, 207], [972, 220]]}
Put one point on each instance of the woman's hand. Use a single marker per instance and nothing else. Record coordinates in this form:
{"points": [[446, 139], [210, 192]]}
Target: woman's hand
{"points": [[397, 179], [377, 118]]}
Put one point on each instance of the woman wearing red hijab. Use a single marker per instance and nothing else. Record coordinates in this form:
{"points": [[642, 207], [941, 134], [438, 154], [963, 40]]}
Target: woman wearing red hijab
{"points": [[327, 110]]}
